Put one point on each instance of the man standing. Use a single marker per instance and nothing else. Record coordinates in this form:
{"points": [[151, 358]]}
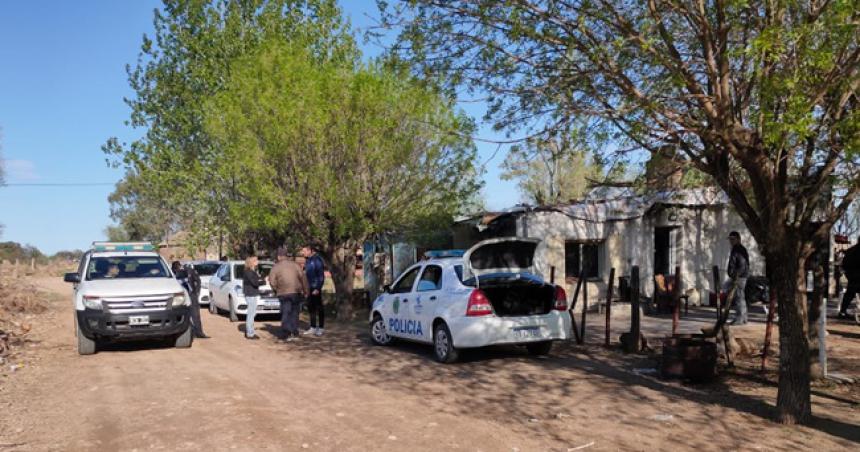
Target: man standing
{"points": [[738, 271], [190, 280], [851, 267], [291, 285], [315, 272]]}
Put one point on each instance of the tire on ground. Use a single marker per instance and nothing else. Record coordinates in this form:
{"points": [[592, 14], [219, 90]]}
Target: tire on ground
{"points": [[86, 346], [375, 336], [185, 339], [539, 348], [233, 316], [443, 344]]}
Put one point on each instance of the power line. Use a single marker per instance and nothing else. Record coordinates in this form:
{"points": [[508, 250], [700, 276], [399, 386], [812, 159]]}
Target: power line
{"points": [[60, 184]]}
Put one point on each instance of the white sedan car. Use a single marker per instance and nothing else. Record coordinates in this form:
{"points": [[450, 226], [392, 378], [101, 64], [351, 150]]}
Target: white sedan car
{"points": [[225, 289], [490, 295], [205, 269]]}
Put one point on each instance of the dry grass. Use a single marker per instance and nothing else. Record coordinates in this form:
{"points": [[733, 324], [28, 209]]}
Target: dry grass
{"points": [[18, 299]]}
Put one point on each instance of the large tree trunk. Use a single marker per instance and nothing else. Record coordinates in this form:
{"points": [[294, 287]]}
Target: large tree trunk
{"points": [[788, 280], [341, 261]]}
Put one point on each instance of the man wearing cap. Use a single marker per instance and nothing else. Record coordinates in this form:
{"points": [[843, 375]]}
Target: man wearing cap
{"points": [[738, 271], [291, 285]]}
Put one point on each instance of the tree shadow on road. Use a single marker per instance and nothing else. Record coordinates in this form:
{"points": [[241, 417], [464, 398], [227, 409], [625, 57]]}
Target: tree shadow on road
{"points": [[575, 390]]}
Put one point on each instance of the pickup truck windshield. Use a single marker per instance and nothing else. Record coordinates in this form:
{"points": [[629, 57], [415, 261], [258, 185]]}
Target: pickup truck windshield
{"points": [[126, 267]]}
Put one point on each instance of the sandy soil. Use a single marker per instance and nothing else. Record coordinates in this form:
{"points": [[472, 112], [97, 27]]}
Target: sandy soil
{"points": [[341, 393]]}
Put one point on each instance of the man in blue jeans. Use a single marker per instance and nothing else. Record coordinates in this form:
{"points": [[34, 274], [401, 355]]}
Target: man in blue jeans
{"points": [[315, 272]]}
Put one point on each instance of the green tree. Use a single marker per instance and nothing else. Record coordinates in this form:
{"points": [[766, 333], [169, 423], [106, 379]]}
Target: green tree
{"points": [[553, 169], [168, 184], [759, 95], [330, 153]]}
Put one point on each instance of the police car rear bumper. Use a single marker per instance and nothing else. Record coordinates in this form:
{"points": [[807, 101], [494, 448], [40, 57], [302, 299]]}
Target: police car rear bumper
{"points": [[470, 332], [102, 325]]}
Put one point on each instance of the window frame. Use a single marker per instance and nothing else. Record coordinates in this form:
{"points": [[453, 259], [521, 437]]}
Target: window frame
{"points": [[580, 254], [437, 283], [410, 270]]}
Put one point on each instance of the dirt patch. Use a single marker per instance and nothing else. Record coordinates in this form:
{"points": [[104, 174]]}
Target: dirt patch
{"points": [[20, 301], [339, 392]]}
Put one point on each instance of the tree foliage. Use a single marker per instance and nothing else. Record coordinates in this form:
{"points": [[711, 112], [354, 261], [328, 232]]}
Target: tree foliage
{"points": [[263, 125], [552, 170], [335, 153], [760, 95]]}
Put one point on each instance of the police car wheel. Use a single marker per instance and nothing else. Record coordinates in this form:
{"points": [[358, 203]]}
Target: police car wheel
{"points": [[86, 346], [539, 348], [378, 334], [443, 344]]}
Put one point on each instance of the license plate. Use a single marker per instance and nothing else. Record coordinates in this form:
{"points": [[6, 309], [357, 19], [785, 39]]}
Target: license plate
{"points": [[137, 320], [527, 333]]}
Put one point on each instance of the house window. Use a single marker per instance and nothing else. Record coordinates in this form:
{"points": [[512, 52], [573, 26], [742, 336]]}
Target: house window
{"points": [[582, 256]]}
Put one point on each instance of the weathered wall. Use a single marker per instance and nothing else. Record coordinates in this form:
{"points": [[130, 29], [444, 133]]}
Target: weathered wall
{"points": [[700, 242]]}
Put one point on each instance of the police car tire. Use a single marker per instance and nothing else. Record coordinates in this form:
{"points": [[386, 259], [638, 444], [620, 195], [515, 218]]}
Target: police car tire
{"points": [[86, 346], [378, 319], [185, 339], [233, 316], [539, 348], [444, 353]]}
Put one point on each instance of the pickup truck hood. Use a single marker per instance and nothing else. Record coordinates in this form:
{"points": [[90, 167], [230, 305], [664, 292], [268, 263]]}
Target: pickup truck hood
{"points": [[500, 255], [128, 287]]}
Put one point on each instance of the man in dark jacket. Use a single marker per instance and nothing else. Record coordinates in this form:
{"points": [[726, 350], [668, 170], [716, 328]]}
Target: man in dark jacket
{"points": [[738, 271], [851, 267], [190, 280], [315, 272]]}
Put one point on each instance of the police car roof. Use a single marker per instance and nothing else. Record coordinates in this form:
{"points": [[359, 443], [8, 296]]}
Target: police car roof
{"points": [[124, 253]]}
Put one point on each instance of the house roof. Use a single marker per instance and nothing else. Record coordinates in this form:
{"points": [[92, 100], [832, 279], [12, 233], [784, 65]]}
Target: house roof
{"points": [[603, 205]]}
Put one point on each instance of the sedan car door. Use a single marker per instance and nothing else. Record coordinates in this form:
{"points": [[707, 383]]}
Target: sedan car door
{"points": [[426, 298], [400, 321], [220, 286]]}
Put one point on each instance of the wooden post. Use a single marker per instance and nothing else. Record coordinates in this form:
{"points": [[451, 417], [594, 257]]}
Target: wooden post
{"points": [[552, 275], [676, 300], [635, 330], [584, 310], [609, 303], [768, 330], [716, 272], [573, 306]]}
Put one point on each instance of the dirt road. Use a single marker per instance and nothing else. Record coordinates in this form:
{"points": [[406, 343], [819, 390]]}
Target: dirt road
{"points": [[340, 393]]}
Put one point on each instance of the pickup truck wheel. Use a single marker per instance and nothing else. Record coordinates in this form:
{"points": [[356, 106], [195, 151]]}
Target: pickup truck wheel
{"points": [[86, 346], [185, 339], [539, 348], [443, 344], [233, 316], [378, 334]]}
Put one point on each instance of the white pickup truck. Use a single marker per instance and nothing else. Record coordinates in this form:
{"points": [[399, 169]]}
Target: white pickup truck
{"points": [[488, 295], [125, 291]]}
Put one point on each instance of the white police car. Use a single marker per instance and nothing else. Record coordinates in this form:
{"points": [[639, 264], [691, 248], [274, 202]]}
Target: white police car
{"points": [[488, 295], [125, 291]]}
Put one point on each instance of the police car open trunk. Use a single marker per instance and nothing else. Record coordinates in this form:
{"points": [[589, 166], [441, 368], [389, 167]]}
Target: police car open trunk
{"points": [[503, 270]]}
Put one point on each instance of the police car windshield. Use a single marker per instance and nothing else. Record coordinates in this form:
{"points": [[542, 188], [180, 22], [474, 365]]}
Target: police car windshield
{"points": [[126, 267], [206, 269]]}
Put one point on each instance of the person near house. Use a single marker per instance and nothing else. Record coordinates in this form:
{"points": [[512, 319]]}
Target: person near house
{"points": [[738, 271], [315, 273], [251, 282], [851, 268], [291, 285]]}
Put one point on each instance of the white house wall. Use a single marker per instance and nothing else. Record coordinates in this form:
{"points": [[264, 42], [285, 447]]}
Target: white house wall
{"points": [[701, 242]]}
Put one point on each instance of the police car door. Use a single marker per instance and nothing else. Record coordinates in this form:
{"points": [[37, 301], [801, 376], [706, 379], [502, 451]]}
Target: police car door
{"points": [[426, 298], [400, 322]]}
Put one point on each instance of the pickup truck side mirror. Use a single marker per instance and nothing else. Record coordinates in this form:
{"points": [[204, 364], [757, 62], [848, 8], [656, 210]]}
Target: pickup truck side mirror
{"points": [[72, 278], [386, 288]]}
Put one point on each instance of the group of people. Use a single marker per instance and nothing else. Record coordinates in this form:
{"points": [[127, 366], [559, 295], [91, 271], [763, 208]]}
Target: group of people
{"points": [[293, 285]]}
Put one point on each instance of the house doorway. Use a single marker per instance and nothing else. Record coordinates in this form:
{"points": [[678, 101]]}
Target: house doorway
{"points": [[664, 250]]}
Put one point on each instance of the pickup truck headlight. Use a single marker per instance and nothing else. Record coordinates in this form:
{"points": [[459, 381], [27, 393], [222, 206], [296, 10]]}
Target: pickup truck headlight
{"points": [[179, 300], [91, 302]]}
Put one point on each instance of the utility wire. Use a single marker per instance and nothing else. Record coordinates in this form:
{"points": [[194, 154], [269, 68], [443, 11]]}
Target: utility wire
{"points": [[72, 184]]}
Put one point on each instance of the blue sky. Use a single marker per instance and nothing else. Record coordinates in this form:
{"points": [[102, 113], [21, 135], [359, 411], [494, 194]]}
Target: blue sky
{"points": [[62, 83]]}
